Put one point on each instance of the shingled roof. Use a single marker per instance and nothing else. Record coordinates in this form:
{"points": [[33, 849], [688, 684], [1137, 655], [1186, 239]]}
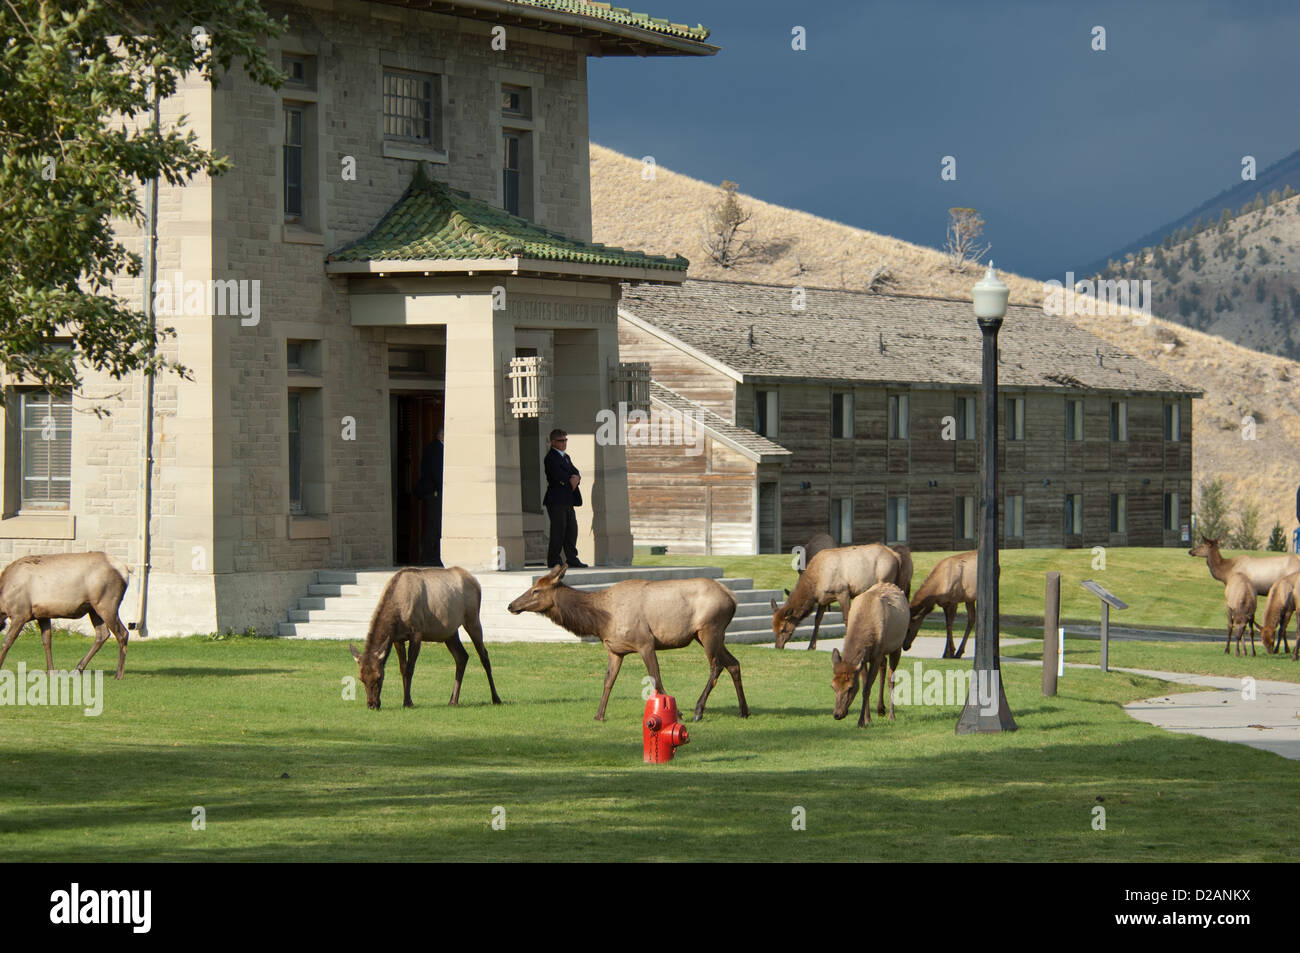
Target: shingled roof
{"points": [[434, 227], [752, 332], [752, 445]]}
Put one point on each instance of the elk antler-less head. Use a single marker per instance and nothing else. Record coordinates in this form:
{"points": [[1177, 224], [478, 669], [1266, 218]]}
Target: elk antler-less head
{"points": [[844, 682], [371, 665], [540, 595]]}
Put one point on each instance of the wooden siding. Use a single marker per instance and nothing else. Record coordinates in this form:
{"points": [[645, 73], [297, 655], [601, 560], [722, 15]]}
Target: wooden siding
{"points": [[677, 370]]}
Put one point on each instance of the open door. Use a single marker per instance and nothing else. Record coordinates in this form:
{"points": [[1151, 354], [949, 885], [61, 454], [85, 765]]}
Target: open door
{"points": [[415, 419]]}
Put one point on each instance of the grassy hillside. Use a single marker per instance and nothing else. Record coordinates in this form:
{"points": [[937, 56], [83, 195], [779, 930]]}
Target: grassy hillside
{"points": [[666, 215]]}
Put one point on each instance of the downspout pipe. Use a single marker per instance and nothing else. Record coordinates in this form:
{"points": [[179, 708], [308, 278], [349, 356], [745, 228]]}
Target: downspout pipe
{"points": [[146, 401]]}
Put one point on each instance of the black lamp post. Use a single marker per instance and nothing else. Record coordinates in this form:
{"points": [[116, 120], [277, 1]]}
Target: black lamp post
{"points": [[986, 703]]}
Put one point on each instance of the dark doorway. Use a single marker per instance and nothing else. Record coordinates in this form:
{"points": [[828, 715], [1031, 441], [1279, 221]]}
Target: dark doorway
{"points": [[415, 419]]}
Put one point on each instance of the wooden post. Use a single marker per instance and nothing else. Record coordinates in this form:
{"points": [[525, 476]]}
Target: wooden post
{"points": [[1051, 621]]}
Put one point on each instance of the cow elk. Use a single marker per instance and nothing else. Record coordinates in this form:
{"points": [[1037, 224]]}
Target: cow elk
{"points": [[833, 575], [1240, 595], [641, 616], [953, 580], [877, 628], [1262, 571], [423, 605], [65, 586], [1278, 609]]}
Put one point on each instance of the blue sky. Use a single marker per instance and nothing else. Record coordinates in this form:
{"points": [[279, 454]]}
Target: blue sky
{"points": [[1068, 153]]}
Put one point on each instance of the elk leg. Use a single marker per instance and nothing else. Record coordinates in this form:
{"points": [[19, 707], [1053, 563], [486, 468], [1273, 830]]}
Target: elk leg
{"points": [[123, 635], [401, 662], [462, 657], [817, 622], [949, 614], [475, 631], [611, 673], [715, 669], [733, 667], [652, 667], [15, 626], [101, 636], [410, 673], [46, 635], [1252, 638], [970, 624], [884, 677], [869, 678], [893, 668]]}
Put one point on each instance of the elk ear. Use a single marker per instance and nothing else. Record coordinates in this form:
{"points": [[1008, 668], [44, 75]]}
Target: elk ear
{"points": [[775, 607], [355, 654], [787, 593], [836, 658], [560, 570]]}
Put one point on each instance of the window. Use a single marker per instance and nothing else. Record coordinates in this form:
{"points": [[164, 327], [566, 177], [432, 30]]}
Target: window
{"points": [[1173, 428], [896, 520], [1015, 418], [295, 453], [964, 517], [300, 70], [46, 451], [1015, 517], [412, 107], [294, 120], [841, 527], [898, 426], [1074, 420], [965, 418], [765, 413], [1119, 512], [1073, 514], [1171, 512], [842, 416], [302, 357], [1119, 421], [516, 102], [517, 176]]}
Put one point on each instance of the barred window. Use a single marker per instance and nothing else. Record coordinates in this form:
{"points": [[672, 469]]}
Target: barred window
{"points": [[46, 451], [411, 107]]}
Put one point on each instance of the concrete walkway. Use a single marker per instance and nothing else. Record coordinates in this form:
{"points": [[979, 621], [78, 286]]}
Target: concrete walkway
{"points": [[1270, 720]]}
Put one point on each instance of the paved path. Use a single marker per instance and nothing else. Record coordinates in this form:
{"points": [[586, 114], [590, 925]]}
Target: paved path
{"points": [[1270, 720]]}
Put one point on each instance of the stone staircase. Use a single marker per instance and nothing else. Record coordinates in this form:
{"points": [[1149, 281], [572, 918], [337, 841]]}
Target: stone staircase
{"points": [[341, 601]]}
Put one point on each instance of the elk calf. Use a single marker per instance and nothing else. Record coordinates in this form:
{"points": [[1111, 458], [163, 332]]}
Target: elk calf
{"points": [[1240, 595], [951, 582], [833, 575], [65, 586], [876, 631]]}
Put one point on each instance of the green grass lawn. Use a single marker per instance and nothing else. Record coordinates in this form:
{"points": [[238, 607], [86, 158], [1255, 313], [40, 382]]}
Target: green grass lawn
{"points": [[256, 732], [1165, 588], [1196, 657]]}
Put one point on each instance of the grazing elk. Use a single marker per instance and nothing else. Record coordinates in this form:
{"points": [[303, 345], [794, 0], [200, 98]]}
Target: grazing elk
{"points": [[814, 546], [65, 586], [904, 580], [1278, 609], [1240, 595], [1262, 571], [833, 575], [953, 580], [640, 616], [876, 631], [423, 605]]}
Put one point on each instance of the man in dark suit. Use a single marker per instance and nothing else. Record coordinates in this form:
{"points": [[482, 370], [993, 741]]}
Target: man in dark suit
{"points": [[562, 495], [429, 489]]}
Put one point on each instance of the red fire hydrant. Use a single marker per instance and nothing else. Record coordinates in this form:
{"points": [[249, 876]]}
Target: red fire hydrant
{"points": [[662, 729]]}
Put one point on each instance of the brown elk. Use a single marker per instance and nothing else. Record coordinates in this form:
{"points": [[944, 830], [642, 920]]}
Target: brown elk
{"points": [[1240, 595], [1262, 571], [813, 547], [904, 580], [953, 580], [1278, 609], [423, 605], [876, 630], [833, 575], [65, 586], [641, 616]]}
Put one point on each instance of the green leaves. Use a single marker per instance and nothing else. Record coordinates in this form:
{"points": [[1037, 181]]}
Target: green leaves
{"points": [[77, 147]]}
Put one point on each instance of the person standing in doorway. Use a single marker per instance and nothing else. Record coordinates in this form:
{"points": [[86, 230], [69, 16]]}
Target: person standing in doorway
{"points": [[562, 495], [429, 489]]}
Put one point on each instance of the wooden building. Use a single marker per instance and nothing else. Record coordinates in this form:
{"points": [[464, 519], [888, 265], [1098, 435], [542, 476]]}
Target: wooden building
{"points": [[858, 415]]}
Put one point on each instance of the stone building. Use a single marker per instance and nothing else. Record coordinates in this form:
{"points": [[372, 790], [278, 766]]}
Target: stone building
{"points": [[406, 217], [857, 414]]}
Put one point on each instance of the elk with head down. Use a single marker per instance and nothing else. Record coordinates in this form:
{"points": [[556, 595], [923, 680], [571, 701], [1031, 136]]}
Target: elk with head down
{"points": [[1278, 609], [641, 616], [953, 580], [65, 586], [833, 575], [423, 605], [876, 630]]}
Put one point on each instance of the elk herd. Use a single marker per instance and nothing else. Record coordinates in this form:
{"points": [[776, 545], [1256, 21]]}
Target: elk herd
{"points": [[872, 585]]}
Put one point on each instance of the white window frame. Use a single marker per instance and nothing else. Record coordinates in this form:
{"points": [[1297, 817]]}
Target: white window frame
{"points": [[1015, 425], [51, 404], [899, 423], [1073, 419], [1015, 516], [1119, 421], [896, 528]]}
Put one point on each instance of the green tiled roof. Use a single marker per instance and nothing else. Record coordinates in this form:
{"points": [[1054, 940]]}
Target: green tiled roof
{"points": [[613, 14], [435, 222]]}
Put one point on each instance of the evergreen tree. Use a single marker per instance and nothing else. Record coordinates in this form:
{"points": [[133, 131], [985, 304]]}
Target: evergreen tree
{"points": [[1277, 538], [1212, 510], [1259, 291], [1246, 534], [1225, 217]]}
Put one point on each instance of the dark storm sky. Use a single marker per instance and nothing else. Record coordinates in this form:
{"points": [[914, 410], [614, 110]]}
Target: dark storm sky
{"points": [[1068, 153]]}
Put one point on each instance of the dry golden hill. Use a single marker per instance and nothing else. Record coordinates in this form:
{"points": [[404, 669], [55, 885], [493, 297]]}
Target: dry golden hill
{"points": [[665, 214]]}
